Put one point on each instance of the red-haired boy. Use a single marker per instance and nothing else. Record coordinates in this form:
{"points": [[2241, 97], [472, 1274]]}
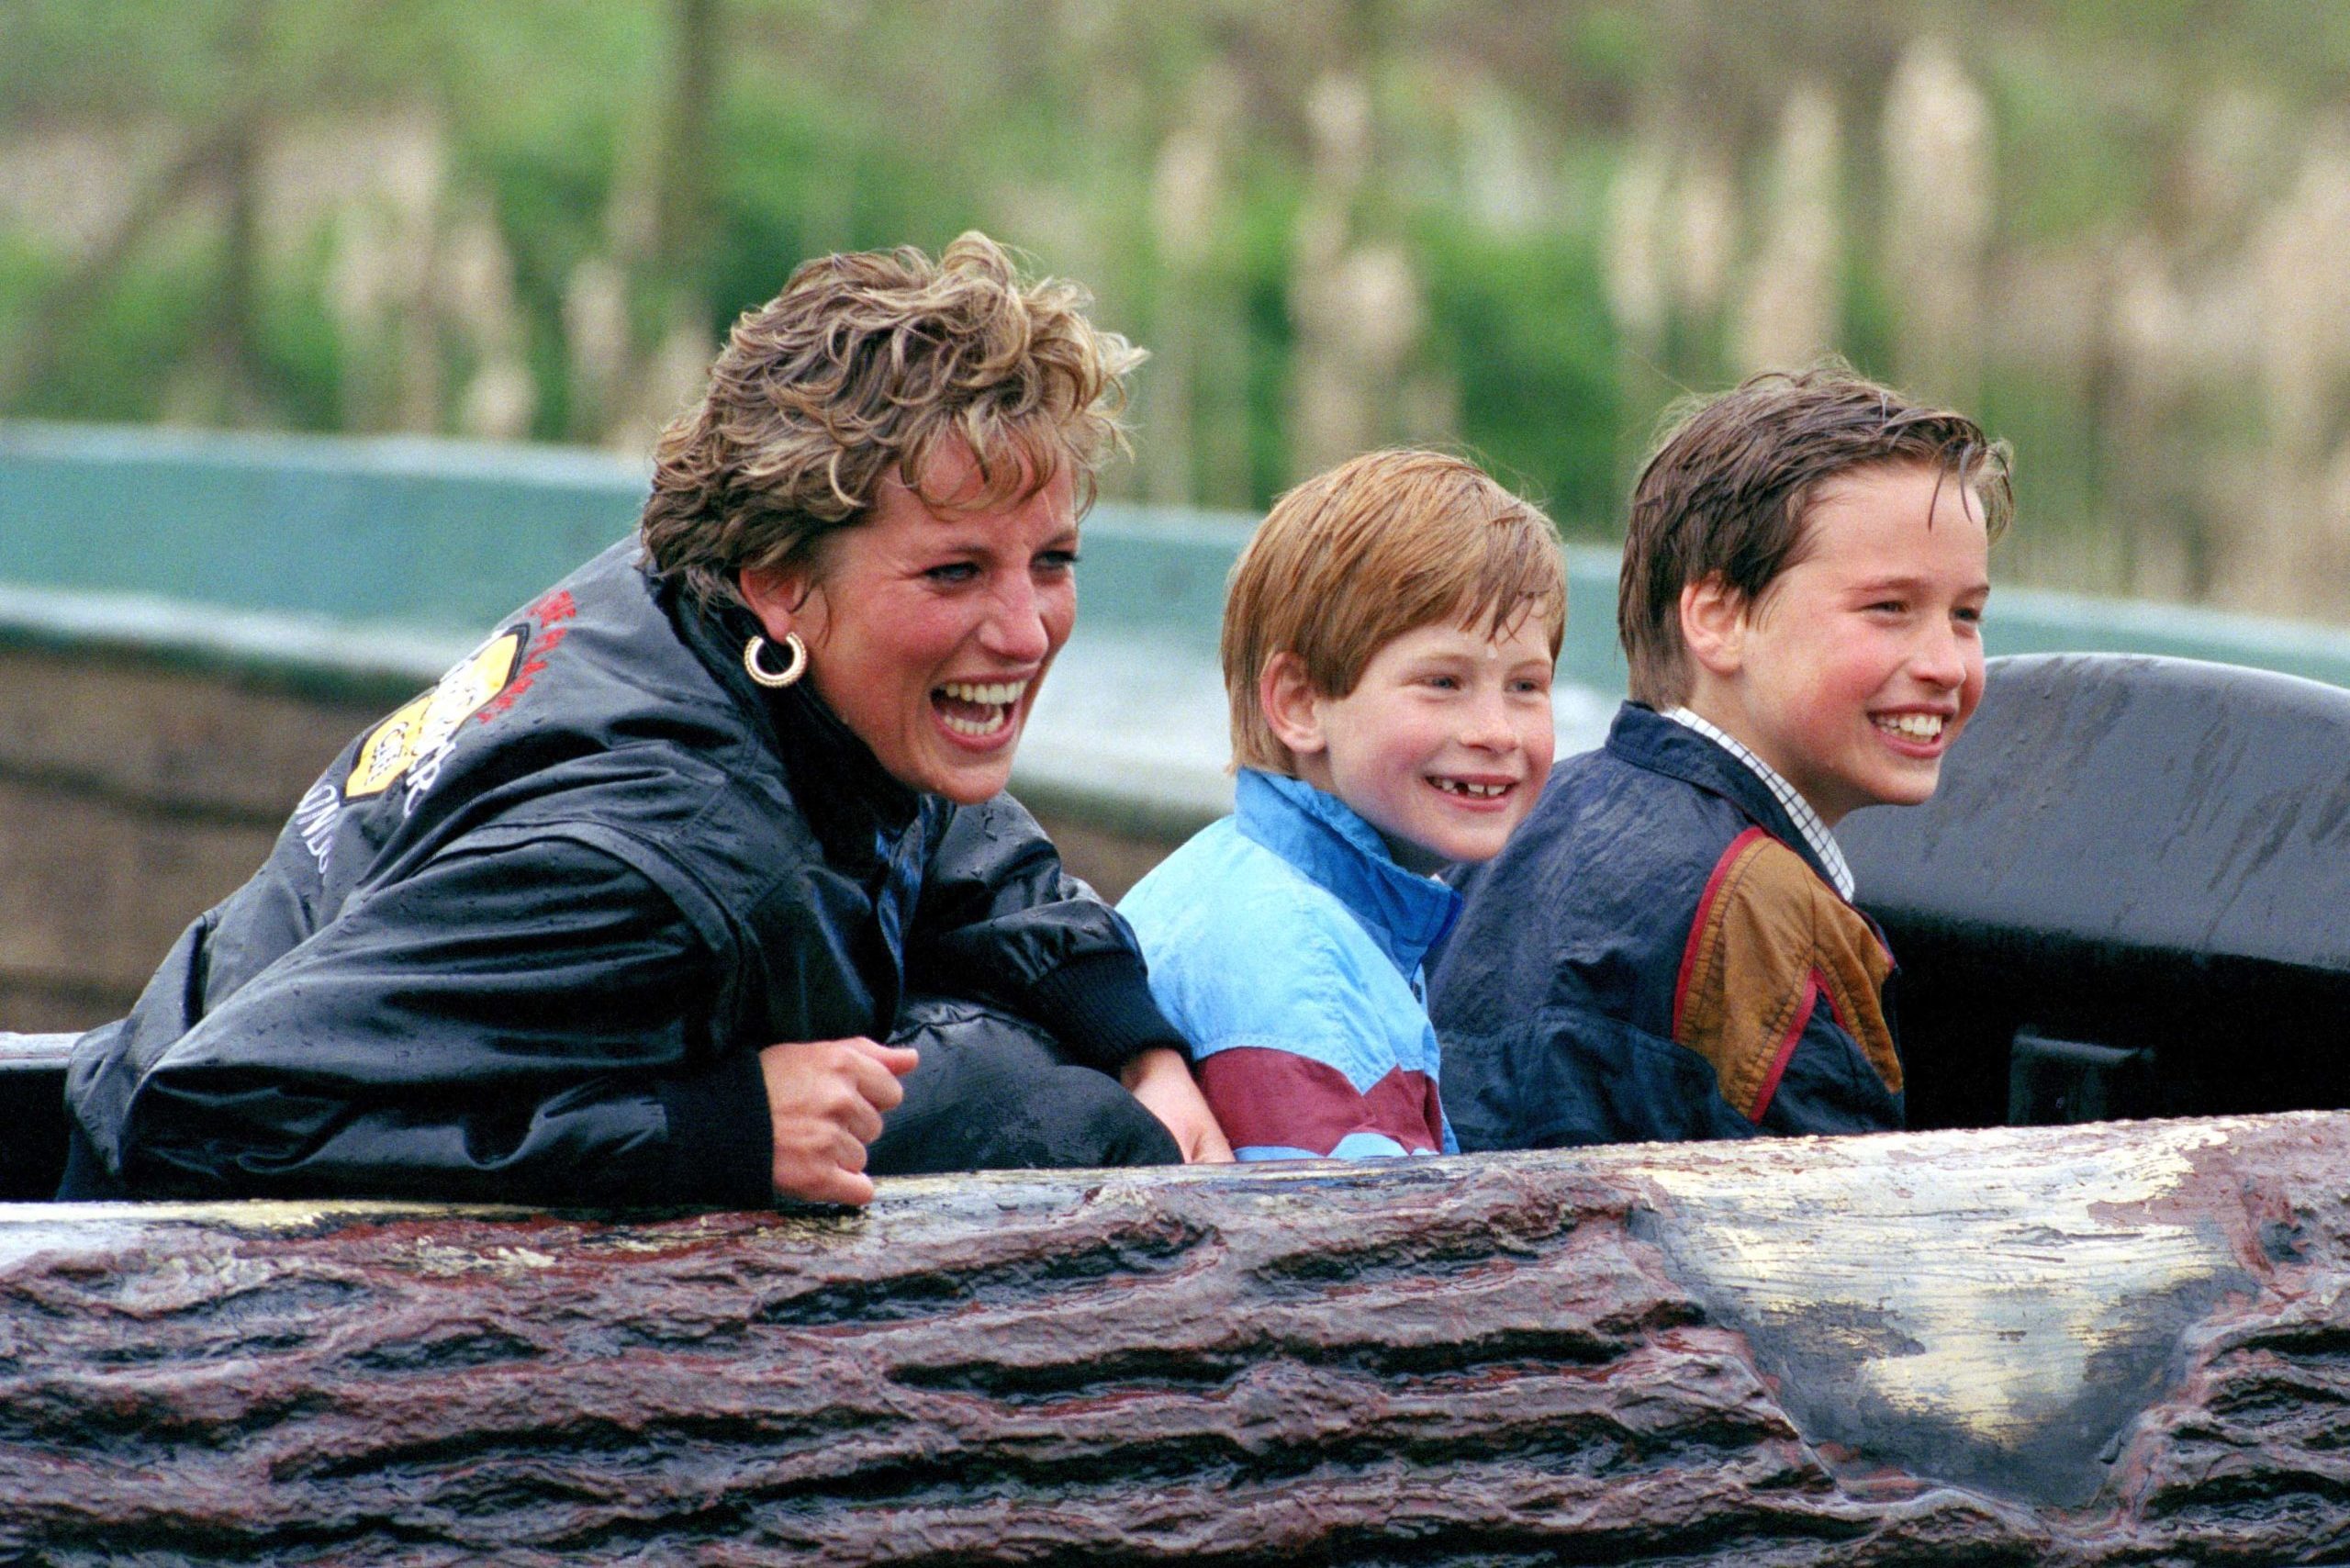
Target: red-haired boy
{"points": [[1389, 637]]}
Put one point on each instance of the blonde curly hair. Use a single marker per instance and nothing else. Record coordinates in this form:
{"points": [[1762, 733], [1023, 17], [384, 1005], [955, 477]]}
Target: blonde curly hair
{"points": [[862, 367]]}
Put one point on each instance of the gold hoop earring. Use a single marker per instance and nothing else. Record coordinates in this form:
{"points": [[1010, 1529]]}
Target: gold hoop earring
{"points": [[772, 679]]}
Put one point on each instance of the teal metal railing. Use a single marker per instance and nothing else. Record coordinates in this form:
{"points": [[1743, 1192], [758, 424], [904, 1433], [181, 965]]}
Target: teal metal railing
{"points": [[367, 565]]}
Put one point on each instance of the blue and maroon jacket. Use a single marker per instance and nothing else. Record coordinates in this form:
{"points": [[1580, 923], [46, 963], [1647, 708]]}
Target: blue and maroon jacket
{"points": [[1656, 955], [1286, 944]]}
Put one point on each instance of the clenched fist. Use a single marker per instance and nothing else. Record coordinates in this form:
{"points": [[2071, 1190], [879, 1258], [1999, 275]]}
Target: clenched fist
{"points": [[825, 1099]]}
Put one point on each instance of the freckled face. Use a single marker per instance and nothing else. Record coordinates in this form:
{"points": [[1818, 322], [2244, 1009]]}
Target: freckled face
{"points": [[1861, 664], [930, 630], [1444, 741]]}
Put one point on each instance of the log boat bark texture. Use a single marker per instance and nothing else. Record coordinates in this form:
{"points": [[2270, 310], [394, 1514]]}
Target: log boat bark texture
{"points": [[2123, 1343]]}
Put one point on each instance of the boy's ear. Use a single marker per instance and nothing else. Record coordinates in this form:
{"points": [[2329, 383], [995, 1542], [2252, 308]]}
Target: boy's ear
{"points": [[1293, 708], [1713, 625]]}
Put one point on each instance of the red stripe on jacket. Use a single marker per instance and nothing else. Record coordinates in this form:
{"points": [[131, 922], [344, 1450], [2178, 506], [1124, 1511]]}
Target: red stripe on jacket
{"points": [[1697, 922]]}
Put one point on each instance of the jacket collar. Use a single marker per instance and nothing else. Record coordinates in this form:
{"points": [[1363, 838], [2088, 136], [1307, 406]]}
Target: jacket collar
{"points": [[1646, 738], [851, 802], [1322, 838]]}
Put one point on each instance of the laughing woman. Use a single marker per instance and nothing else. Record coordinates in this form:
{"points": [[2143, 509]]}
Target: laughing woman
{"points": [[620, 912]]}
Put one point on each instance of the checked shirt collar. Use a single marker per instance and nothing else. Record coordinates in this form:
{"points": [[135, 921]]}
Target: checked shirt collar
{"points": [[1815, 831]]}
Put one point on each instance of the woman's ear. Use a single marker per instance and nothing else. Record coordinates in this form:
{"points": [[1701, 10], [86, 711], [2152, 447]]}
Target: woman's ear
{"points": [[1293, 708], [1713, 625], [777, 595]]}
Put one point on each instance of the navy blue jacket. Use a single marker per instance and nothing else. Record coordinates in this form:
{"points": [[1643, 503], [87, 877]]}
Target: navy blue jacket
{"points": [[525, 937], [1657, 955]]}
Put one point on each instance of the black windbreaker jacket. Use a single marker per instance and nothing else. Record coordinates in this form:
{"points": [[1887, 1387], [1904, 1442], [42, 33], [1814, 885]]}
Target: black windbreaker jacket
{"points": [[525, 938]]}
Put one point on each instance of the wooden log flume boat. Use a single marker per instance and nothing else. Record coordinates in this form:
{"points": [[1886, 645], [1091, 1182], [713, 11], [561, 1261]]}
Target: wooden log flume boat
{"points": [[2074, 1344]]}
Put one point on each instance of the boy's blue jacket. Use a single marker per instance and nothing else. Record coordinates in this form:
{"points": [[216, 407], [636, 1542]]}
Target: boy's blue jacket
{"points": [[1656, 955], [1286, 944]]}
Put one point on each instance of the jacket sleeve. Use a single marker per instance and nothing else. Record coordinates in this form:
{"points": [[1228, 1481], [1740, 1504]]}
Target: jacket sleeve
{"points": [[1564, 1076], [999, 921], [1780, 988], [1568, 1075], [514, 1024], [1827, 1085]]}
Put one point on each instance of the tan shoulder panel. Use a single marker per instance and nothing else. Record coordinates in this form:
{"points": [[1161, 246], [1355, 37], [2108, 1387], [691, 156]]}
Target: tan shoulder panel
{"points": [[1770, 942]]}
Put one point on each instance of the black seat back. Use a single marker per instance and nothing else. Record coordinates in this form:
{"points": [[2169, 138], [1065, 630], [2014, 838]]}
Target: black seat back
{"points": [[32, 1115], [2149, 858]]}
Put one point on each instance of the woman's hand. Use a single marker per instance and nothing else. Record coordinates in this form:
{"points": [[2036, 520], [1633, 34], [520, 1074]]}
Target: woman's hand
{"points": [[825, 1099], [1161, 1080]]}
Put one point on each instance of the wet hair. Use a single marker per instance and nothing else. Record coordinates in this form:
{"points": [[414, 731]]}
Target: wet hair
{"points": [[1377, 547], [1728, 490], [862, 367]]}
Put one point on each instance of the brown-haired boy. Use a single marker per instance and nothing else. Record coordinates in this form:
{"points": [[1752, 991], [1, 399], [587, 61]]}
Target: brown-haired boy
{"points": [[1668, 948], [1389, 637]]}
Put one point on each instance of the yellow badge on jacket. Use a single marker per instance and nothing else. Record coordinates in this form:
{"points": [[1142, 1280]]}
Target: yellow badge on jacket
{"points": [[423, 726]]}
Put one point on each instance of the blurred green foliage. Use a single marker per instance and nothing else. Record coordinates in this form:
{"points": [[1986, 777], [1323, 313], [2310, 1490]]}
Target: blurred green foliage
{"points": [[1523, 324], [829, 124]]}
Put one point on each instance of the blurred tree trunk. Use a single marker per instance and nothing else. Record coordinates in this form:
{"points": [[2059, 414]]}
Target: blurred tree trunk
{"points": [[664, 244], [225, 153], [226, 381], [30, 360], [237, 373], [685, 228]]}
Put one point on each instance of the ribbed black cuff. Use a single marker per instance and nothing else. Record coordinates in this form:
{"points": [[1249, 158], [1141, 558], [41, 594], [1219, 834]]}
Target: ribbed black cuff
{"points": [[1098, 1007], [721, 1140]]}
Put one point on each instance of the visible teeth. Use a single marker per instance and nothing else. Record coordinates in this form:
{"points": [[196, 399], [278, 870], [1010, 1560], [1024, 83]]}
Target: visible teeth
{"points": [[998, 697], [1462, 787], [994, 691], [986, 726], [1917, 726]]}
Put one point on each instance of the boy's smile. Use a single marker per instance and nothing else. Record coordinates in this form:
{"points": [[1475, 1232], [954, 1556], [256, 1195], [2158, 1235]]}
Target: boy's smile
{"points": [[1444, 743], [1859, 664]]}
